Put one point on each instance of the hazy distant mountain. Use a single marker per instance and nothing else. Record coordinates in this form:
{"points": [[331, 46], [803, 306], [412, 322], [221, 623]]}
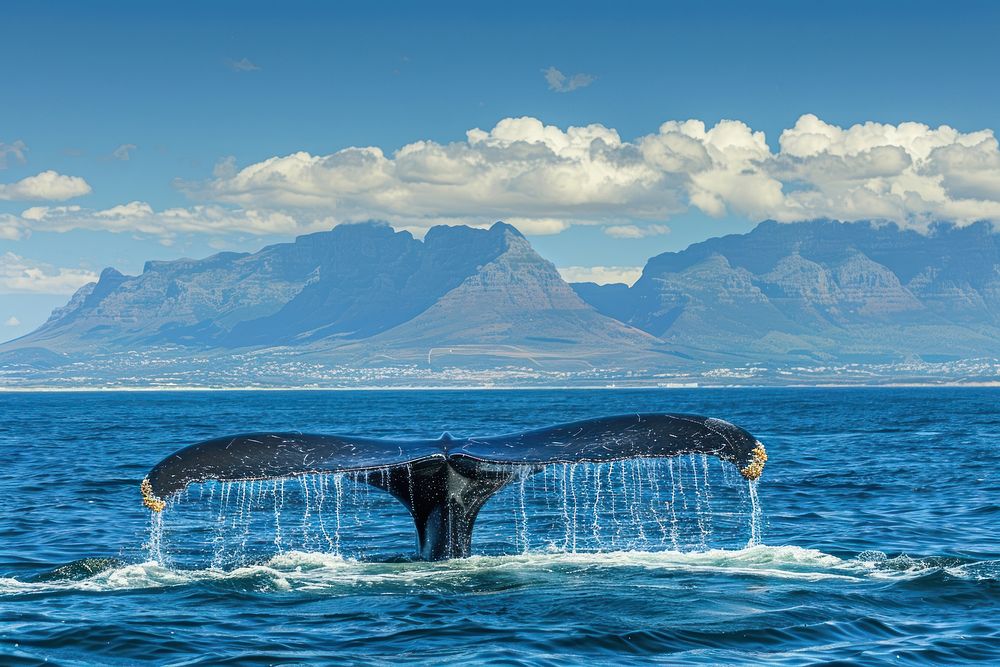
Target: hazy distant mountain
{"points": [[517, 306], [369, 278], [482, 291], [364, 304], [355, 280], [821, 290]]}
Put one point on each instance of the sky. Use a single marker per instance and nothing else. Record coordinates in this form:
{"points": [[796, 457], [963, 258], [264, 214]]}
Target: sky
{"points": [[607, 132]]}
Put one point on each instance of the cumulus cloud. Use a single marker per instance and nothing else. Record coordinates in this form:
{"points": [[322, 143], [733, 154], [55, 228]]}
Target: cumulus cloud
{"points": [[543, 179], [123, 152], [561, 83], [602, 275], [242, 65], [15, 151], [635, 231], [19, 275], [12, 321], [523, 169], [519, 171], [48, 185]]}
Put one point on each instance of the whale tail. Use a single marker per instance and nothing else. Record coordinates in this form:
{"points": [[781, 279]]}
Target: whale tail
{"points": [[444, 497], [445, 482]]}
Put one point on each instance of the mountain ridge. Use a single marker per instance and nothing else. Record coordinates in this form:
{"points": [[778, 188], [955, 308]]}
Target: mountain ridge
{"points": [[351, 283], [371, 304], [821, 280]]}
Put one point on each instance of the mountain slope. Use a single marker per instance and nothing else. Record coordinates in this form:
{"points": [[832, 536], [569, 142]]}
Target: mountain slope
{"points": [[366, 305], [370, 284], [327, 293], [822, 290], [354, 280], [516, 305]]}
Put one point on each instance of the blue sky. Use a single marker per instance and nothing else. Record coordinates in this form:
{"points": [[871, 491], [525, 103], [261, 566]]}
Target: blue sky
{"points": [[194, 93]]}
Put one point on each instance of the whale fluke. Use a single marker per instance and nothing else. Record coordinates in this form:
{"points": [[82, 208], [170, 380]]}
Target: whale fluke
{"points": [[445, 482]]}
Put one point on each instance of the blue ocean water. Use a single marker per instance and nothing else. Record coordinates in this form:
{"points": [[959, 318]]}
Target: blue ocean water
{"points": [[877, 540]]}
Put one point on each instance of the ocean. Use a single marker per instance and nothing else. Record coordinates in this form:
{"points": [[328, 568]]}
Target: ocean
{"points": [[873, 536]]}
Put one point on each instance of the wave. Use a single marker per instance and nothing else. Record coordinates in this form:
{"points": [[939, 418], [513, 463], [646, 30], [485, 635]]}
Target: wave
{"points": [[318, 571], [882, 565]]}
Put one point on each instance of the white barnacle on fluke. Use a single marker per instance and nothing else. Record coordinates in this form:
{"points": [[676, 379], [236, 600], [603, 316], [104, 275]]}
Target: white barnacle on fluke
{"points": [[444, 482]]}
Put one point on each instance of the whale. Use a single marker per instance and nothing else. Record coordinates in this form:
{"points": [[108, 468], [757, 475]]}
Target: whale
{"points": [[444, 482]]}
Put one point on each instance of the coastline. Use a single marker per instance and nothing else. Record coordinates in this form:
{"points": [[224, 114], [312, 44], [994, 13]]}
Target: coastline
{"points": [[196, 388]]}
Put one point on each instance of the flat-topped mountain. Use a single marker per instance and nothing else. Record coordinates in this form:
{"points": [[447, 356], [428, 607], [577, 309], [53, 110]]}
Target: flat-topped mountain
{"points": [[821, 289], [516, 298], [377, 306], [458, 286]]}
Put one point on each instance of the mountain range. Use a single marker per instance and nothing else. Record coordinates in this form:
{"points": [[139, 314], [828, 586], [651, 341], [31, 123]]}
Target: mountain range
{"points": [[821, 291], [364, 304]]}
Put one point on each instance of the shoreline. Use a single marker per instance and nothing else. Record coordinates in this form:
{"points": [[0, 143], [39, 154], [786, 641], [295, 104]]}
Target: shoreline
{"points": [[143, 389]]}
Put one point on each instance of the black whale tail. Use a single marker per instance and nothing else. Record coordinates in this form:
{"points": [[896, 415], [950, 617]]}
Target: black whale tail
{"points": [[444, 497], [445, 482]]}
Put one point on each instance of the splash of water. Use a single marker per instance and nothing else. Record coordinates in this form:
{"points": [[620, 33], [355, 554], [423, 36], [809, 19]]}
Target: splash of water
{"points": [[155, 543], [756, 515], [681, 504]]}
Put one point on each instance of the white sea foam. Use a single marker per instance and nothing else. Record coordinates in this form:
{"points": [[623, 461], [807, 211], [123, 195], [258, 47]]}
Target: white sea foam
{"points": [[879, 565], [317, 571], [299, 570]]}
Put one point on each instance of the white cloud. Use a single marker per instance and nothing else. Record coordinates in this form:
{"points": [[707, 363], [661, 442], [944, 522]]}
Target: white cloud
{"points": [[523, 169], [537, 226], [12, 321], [15, 150], [12, 227], [48, 185], [602, 275], [635, 231], [123, 152], [543, 179], [561, 83], [242, 65], [519, 171], [19, 275], [139, 217]]}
